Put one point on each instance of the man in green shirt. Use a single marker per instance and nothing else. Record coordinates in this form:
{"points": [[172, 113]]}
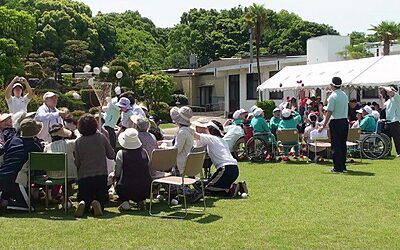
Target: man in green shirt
{"points": [[338, 124]]}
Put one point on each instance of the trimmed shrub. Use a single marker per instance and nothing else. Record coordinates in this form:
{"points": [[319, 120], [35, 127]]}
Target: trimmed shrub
{"points": [[162, 110], [267, 106], [94, 110], [182, 99], [76, 114], [89, 98]]}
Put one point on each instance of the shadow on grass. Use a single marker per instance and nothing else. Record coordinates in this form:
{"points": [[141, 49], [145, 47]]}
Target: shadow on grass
{"points": [[358, 173]]}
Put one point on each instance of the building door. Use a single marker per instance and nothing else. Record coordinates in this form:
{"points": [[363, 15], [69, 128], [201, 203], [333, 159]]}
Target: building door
{"points": [[205, 96], [234, 96]]}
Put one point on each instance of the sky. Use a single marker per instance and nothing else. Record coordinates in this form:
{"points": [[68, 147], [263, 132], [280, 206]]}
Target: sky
{"points": [[344, 15]]}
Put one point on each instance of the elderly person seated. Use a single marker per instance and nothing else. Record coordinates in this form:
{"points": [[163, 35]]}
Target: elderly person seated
{"points": [[142, 125], [368, 123]]}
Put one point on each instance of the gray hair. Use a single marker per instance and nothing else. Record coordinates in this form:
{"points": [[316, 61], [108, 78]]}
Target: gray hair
{"points": [[142, 124]]}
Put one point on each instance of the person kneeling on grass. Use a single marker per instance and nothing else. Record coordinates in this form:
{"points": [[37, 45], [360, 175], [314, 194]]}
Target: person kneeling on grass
{"points": [[14, 169], [288, 122], [227, 168], [91, 151], [132, 171]]}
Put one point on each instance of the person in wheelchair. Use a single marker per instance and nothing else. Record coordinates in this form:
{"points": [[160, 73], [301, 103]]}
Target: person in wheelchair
{"points": [[368, 122], [234, 131], [261, 128], [289, 122], [275, 120]]}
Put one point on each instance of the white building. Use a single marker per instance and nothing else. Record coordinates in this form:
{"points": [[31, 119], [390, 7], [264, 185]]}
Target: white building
{"points": [[325, 48]]}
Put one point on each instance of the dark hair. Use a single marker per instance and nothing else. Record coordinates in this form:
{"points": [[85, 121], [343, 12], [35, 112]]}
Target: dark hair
{"points": [[128, 95], [353, 100], [368, 103], [214, 131], [337, 81], [219, 125], [87, 125], [313, 119]]}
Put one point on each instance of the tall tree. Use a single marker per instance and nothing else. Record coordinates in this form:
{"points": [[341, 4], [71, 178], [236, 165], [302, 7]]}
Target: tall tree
{"points": [[156, 88], [75, 55], [256, 19], [386, 31]]}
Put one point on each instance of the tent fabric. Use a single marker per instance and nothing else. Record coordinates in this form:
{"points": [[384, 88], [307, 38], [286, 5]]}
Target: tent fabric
{"points": [[362, 72]]}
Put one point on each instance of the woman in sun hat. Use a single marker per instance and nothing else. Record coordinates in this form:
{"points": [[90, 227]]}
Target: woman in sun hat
{"points": [[14, 170], [184, 137], [132, 170]]}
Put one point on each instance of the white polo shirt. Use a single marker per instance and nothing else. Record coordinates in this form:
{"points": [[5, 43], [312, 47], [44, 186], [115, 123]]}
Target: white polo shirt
{"points": [[17, 104]]}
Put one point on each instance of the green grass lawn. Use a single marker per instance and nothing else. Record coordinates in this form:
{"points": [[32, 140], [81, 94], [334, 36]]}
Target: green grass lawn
{"points": [[167, 125], [290, 206]]}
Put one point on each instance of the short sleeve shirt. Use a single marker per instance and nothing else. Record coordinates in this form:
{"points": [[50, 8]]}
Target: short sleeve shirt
{"points": [[17, 104], [338, 104]]}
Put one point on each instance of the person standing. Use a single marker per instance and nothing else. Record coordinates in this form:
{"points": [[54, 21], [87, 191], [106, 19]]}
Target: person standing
{"points": [[392, 107], [15, 98], [48, 115], [336, 116]]}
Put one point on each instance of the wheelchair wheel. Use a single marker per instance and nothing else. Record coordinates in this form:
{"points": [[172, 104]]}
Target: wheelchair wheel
{"points": [[374, 146], [239, 150], [388, 144], [256, 149]]}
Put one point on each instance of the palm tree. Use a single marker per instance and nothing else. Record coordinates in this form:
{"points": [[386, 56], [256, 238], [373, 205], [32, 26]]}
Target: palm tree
{"points": [[256, 19], [386, 31]]}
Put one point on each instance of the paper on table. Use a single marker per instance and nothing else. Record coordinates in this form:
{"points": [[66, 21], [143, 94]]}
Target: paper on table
{"points": [[316, 135]]}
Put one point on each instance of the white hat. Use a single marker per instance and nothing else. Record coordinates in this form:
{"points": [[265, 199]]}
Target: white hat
{"points": [[359, 111], [48, 95], [253, 108], [4, 117], [208, 124], [135, 118], [201, 122], [286, 113], [376, 114], [181, 115], [237, 114], [17, 84], [258, 112], [283, 105], [309, 101], [367, 109], [325, 108], [276, 109], [129, 139]]}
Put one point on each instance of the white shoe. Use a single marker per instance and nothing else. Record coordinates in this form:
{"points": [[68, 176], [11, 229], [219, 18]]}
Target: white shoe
{"points": [[174, 202], [397, 155], [125, 206]]}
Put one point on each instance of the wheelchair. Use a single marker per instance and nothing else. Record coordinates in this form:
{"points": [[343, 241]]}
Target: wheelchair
{"points": [[260, 145], [239, 149], [376, 145]]}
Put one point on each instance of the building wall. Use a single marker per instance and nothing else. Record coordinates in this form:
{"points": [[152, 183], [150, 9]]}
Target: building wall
{"points": [[325, 48]]}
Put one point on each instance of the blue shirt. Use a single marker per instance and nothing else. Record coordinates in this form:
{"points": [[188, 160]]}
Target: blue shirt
{"points": [[338, 104]]}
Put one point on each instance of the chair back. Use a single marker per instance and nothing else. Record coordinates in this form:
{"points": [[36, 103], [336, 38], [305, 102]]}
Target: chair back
{"points": [[354, 134], [287, 135], [163, 159], [194, 164], [48, 161]]}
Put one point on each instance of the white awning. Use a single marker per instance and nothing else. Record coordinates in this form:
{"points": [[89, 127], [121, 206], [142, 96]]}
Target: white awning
{"points": [[318, 75], [384, 72]]}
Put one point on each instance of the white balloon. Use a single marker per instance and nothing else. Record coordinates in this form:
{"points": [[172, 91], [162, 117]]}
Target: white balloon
{"points": [[96, 70], [119, 74], [87, 68], [117, 90], [91, 81], [105, 69], [76, 96]]}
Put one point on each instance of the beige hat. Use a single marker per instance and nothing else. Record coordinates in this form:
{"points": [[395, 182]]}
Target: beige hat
{"points": [[201, 122], [60, 130], [182, 115], [4, 117], [30, 128], [48, 95], [129, 139]]}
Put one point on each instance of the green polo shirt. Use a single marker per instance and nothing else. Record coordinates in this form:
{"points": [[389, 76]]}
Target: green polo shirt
{"points": [[393, 108], [259, 124], [274, 123], [368, 124], [338, 104]]}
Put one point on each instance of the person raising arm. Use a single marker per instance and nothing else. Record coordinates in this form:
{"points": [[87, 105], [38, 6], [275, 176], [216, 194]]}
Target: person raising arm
{"points": [[14, 94]]}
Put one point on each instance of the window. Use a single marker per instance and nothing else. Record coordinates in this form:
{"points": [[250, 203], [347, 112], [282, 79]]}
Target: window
{"points": [[370, 93], [252, 83], [272, 73], [276, 95]]}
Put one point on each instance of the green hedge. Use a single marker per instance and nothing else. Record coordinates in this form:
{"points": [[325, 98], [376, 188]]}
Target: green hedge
{"points": [[267, 106], [89, 98], [162, 110]]}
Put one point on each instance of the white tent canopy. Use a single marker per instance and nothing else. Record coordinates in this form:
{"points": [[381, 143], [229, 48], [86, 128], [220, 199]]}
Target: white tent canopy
{"points": [[362, 72]]}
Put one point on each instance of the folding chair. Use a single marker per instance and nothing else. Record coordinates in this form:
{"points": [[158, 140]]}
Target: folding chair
{"points": [[162, 161], [48, 162], [354, 139], [322, 143], [207, 161], [193, 167], [288, 137]]}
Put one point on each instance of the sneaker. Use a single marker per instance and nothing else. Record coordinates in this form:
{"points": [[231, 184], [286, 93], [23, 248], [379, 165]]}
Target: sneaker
{"points": [[80, 209], [333, 170], [141, 205], [398, 156], [243, 187], [285, 158], [197, 196], [125, 206], [97, 211], [268, 158], [234, 190]]}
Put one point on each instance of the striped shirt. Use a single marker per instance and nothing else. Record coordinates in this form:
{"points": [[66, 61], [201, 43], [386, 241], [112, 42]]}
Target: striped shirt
{"points": [[63, 146]]}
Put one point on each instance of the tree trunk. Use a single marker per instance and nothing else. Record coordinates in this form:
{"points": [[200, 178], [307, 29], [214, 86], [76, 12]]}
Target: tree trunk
{"points": [[258, 38], [386, 45]]}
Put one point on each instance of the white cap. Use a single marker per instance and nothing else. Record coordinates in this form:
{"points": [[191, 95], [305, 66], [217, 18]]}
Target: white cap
{"points": [[276, 109], [258, 112], [286, 113], [237, 113], [376, 114], [359, 111], [17, 84], [309, 101], [325, 108], [367, 109], [253, 108], [48, 95], [283, 105]]}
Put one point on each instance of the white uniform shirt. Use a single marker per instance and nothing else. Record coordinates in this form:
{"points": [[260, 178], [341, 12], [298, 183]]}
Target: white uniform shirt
{"points": [[218, 150], [17, 104]]}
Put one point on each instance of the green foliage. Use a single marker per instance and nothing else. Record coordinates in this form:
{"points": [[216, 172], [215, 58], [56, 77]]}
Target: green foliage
{"points": [[182, 99], [268, 106], [357, 38], [162, 110], [94, 110], [10, 63], [386, 31], [156, 88], [76, 114], [76, 54], [355, 52], [89, 98]]}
